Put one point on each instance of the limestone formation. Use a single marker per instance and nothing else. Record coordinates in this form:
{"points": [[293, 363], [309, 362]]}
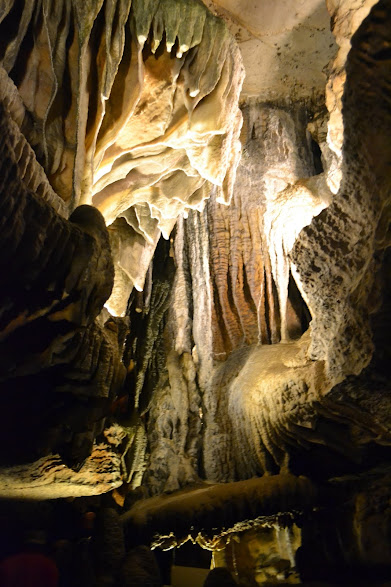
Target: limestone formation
{"points": [[187, 513], [140, 127], [346, 17], [81, 87], [59, 369], [287, 252], [286, 45], [50, 478], [195, 272]]}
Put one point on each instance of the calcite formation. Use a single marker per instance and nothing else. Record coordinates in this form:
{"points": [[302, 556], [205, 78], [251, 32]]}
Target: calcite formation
{"points": [[266, 498], [288, 252], [246, 318], [130, 106], [59, 368], [346, 17], [50, 478]]}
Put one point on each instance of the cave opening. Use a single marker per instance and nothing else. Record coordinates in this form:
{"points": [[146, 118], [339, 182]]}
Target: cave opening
{"points": [[317, 156]]}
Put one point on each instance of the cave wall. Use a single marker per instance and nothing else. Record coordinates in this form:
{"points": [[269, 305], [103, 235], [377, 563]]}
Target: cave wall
{"points": [[228, 296], [127, 107], [288, 255], [254, 333], [131, 107]]}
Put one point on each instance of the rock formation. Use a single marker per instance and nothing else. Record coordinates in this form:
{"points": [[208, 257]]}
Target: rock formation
{"points": [[81, 86], [195, 270], [131, 107]]}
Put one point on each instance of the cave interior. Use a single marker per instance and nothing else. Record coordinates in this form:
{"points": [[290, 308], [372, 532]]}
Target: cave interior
{"points": [[195, 207]]}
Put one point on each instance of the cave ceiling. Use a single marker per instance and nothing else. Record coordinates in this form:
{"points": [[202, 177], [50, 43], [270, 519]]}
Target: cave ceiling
{"points": [[195, 276], [287, 46]]}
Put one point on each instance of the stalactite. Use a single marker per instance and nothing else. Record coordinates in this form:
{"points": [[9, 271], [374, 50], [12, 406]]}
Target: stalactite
{"points": [[225, 301], [235, 287], [147, 328], [223, 381], [139, 130]]}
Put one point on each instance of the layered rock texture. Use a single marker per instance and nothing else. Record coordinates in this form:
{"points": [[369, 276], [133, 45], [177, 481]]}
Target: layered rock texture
{"points": [[269, 355], [130, 106], [126, 106], [195, 276], [60, 369], [287, 252]]}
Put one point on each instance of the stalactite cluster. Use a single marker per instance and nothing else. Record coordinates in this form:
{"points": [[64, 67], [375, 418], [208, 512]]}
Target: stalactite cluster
{"points": [[194, 296], [130, 106], [281, 257], [227, 298]]}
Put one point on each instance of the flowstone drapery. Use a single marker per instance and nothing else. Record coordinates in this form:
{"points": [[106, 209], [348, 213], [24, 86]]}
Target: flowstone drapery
{"points": [[129, 106], [245, 327]]}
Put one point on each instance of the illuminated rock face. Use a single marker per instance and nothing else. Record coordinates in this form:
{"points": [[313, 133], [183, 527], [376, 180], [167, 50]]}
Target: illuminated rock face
{"points": [[227, 298], [233, 408], [346, 18], [130, 106], [249, 335]]}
